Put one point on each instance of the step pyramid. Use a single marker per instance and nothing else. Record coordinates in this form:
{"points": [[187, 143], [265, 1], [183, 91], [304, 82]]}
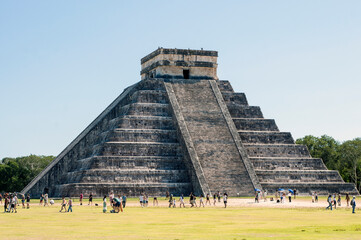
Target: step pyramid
{"points": [[182, 130]]}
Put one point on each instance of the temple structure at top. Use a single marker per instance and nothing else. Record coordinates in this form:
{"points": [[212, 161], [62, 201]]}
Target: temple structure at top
{"points": [[181, 130]]}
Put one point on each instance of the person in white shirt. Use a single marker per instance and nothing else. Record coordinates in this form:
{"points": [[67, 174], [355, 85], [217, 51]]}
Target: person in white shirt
{"points": [[225, 198], [141, 200]]}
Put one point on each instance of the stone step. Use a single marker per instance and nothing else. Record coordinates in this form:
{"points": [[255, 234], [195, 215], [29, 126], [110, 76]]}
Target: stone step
{"points": [[294, 176], [306, 188], [276, 150], [145, 109], [127, 188], [149, 96], [143, 122], [266, 137], [134, 175], [224, 86], [142, 135], [239, 111], [255, 124], [137, 149], [144, 162], [288, 163], [232, 98]]}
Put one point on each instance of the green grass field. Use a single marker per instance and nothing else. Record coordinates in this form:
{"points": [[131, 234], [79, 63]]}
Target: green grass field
{"points": [[163, 223]]}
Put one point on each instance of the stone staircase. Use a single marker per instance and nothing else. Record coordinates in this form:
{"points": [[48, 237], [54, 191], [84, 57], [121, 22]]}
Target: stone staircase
{"points": [[277, 160], [133, 149]]}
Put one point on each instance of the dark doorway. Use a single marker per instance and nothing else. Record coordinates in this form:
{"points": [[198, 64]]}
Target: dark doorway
{"points": [[186, 74]]}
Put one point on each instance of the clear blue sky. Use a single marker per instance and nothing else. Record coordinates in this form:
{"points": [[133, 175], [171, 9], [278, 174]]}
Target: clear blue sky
{"points": [[63, 62]]}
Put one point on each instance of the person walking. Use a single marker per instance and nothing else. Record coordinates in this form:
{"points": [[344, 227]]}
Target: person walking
{"points": [[70, 205], [155, 201], [90, 199], [170, 200], [141, 200], [181, 201], [353, 204], [201, 201], [316, 197], [63, 205], [289, 196], [124, 200], [329, 200], [105, 204], [81, 198], [219, 196], [339, 200], [46, 200], [214, 199], [207, 199], [23, 200], [347, 199], [225, 199], [28, 201]]}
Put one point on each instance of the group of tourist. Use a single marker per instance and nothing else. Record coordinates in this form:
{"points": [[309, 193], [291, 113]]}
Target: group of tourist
{"points": [[332, 202], [11, 201], [193, 200]]}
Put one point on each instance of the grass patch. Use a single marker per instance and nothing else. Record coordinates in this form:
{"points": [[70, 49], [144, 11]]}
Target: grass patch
{"points": [[88, 222]]}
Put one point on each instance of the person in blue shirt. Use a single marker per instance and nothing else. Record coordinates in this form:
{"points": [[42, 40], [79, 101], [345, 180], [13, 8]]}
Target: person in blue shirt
{"points": [[124, 200], [353, 204]]}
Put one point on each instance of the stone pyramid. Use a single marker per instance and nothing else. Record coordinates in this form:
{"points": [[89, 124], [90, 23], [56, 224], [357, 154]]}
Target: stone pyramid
{"points": [[182, 130]]}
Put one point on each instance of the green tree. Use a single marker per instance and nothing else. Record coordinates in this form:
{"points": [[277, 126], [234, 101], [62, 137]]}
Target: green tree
{"points": [[324, 147], [16, 173], [350, 161]]}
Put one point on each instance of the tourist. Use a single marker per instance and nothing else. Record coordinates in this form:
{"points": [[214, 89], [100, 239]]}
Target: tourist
{"points": [[41, 199], [207, 199], [63, 205], [347, 199], [191, 198], [117, 206], [225, 198], [281, 194], [256, 200], [214, 199], [166, 195], [170, 200], [90, 199], [219, 196], [155, 201], [6, 202], [289, 196], [11, 204], [334, 199], [265, 195], [353, 204], [294, 193], [145, 200], [181, 201], [313, 197], [201, 201], [329, 200], [111, 196], [46, 200], [141, 200], [316, 197], [28, 201], [174, 202], [81, 198], [15, 201], [105, 203], [124, 200], [70, 205], [339, 200], [23, 200]]}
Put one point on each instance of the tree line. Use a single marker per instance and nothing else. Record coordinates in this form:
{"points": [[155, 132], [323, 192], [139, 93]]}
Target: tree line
{"points": [[16, 173], [344, 157]]}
